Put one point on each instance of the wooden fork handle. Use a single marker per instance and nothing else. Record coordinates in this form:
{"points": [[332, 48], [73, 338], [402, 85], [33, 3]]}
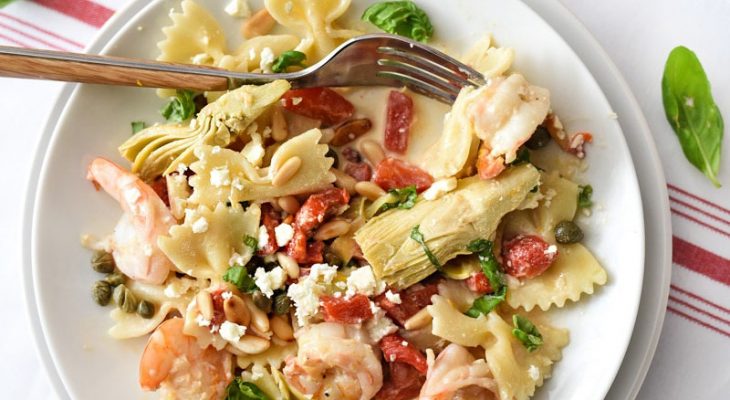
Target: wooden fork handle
{"points": [[73, 67]]}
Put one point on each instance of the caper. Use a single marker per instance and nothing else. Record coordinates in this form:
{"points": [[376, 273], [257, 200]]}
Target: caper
{"points": [[103, 262], [115, 279], [281, 303], [261, 301], [539, 139], [101, 292], [145, 309], [568, 232], [333, 154], [125, 299]]}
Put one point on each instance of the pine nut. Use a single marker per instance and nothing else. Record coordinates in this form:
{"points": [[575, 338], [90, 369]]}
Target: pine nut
{"points": [[259, 320], [236, 311], [287, 171], [332, 229], [281, 328], [258, 24], [205, 304], [350, 130], [290, 204], [250, 344], [289, 265], [372, 151], [369, 190], [279, 130], [418, 320], [344, 181]]}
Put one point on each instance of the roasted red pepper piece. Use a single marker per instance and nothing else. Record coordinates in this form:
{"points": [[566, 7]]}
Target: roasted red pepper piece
{"points": [[396, 174], [159, 185], [399, 117], [479, 283], [527, 256], [313, 212], [270, 218], [360, 171], [413, 300], [402, 382], [353, 310], [319, 103], [397, 349]]}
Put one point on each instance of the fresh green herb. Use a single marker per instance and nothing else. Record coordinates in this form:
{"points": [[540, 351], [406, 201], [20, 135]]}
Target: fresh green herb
{"points": [[485, 304], [403, 198], [400, 18], [692, 112], [180, 108], [418, 237], [240, 390], [288, 59], [4, 3], [138, 126], [522, 157], [526, 332], [584, 196], [251, 242], [238, 275]]}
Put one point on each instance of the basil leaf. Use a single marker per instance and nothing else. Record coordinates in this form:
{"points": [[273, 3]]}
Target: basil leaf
{"points": [[181, 107], [288, 59], [485, 304], [4, 3], [137, 126], [238, 275], [400, 18], [584, 196], [404, 198], [526, 332], [240, 390], [251, 242], [418, 237], [692, 112]]}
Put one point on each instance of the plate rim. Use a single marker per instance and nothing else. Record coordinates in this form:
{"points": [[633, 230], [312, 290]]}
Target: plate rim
{"points": [[123, 15]]}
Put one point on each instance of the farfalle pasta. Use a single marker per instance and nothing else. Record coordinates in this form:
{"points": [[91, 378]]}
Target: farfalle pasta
{"points": [[279, 243]]}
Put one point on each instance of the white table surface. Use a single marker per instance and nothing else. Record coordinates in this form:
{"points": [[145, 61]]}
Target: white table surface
{"points": [[637, 35]]}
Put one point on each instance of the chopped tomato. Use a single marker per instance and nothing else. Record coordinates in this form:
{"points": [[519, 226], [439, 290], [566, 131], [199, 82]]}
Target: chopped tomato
{"points": [[360, 171], [399, 117], [219, 315], [479, 283], [159, 185], [396, 174], [397, 349], [320, 103], [402, 382], [270, 219], [413, 300], [313, 212], [487, 166], [527, 256], [353, 310]]}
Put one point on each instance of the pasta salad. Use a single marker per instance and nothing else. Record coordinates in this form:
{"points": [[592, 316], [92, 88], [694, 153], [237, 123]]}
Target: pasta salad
{"points": [[342, 243]]}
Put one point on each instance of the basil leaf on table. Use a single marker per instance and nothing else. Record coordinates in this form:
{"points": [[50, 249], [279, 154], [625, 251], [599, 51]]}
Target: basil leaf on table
{"points": [[692, 112], [402, 18]]}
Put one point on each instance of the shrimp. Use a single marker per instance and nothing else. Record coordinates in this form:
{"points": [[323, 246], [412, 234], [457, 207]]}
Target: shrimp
{"points": [[455, 375], [134, 245], [504, 114], [176, 363], [334, 361]]}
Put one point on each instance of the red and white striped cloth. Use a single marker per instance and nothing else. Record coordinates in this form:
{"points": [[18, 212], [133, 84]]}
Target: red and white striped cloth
{"points": [[692, 358]]}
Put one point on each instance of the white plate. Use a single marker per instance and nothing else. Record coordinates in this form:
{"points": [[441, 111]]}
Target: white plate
{"points": [[96, 119]]}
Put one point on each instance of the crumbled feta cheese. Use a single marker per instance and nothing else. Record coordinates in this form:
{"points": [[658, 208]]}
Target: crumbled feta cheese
{"points": [[202, 321], [296, 100], [181, 168], [362, 280], [393, 297], [236, 259], [305, 293], [380, 326], [238, 8], [284, 233], [392, 358], [220, 176], [267, 59], [263, 237], [226, 295], [254, 150], [231, 331], [552, 249], [237, 183], [325, 271], [341, 285], [534, 373], [269, 281], [215, 150], [202, 59], [440, 188], [404, 343], [200, 226]]}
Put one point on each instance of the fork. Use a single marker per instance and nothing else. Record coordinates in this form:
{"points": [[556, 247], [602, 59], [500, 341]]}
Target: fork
{"points": [[368, 60]]}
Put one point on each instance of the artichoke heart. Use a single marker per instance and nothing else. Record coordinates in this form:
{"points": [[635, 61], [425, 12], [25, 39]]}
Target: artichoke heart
{"points": [[159, 149], [448, 224]]}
